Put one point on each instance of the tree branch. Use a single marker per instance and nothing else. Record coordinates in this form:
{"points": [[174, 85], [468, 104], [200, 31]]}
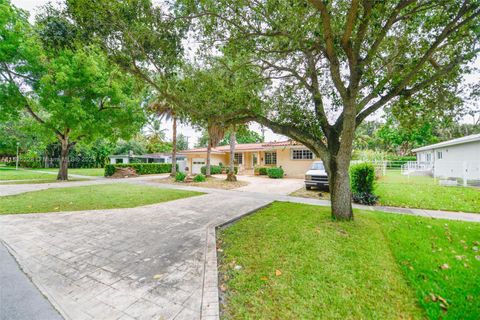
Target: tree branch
{"points": [[391, 20], [330, 47], [346, 38], [314, 144], [40, 120], [449, 29]]}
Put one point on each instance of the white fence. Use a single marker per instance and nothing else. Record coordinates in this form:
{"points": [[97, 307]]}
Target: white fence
{"points": [[414, 166], [464, 173]]}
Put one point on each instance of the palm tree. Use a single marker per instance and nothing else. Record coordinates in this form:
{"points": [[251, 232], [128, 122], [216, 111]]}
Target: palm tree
{"points": [[166, 111], [154, 128], [215, 135]]}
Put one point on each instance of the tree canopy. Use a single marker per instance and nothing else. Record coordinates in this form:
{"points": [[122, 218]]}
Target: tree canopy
{"points": [[332, 64], [71, 90]]}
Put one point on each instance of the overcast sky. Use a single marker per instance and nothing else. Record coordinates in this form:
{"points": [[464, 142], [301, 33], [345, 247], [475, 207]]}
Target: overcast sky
{"points": [[32, 7]]}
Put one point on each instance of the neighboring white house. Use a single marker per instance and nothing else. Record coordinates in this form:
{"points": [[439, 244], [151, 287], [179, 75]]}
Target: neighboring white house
{"points": [[149, 158], [457, 158]]}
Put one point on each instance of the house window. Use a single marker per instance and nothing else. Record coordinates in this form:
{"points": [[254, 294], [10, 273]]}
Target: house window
{"points": [[429, 157], [302, 154], [270, 157], [238, 158], [439, 155]]}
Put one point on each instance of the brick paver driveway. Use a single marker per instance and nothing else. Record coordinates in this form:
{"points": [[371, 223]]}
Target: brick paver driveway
{"points": [[139, 263]]}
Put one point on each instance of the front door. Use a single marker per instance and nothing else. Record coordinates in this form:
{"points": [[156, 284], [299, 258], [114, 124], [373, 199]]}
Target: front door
{"points": [[197, 164], [254, 160]]}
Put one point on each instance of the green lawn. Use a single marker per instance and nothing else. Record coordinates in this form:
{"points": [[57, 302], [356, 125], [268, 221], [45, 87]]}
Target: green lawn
{"points": [[92, 172], [37, 181], [35, 176], [105, 196], [290, 261], [398, 190], [9, 173]]}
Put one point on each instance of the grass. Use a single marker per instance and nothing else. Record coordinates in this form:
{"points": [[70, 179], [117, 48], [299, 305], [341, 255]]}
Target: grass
{"points": [[423, 192], [290, 261], [9, 173], [35, 176], [38, 181], [398, 190], [211, 182], [107, 196], [92, 172]]}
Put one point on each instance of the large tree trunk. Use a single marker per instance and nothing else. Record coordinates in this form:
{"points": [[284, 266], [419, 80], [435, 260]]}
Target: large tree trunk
{"points": [[231, 172], [63, 171], [174, 147], [207, 165], [340, 193], [338, 164]]}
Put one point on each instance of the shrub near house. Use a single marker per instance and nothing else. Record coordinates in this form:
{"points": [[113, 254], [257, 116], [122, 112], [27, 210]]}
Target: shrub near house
{"points": [[213, 169], [217, 169], [262, 171], [275, 173], [362, 182]]}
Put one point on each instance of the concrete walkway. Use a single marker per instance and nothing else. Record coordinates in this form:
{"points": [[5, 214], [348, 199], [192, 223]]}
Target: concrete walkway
{"points": [[262, 184], [139, 263]]}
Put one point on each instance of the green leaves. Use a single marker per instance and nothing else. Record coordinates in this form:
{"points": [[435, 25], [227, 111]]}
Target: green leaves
{"points": [[73, 91]]}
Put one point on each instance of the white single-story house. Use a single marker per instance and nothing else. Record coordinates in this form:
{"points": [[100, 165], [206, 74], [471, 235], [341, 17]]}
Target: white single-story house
{"points": [[457, 158], [149, 158]]}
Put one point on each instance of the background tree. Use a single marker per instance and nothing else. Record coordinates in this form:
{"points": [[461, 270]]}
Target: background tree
{"points": [[146, 43], [154, 128], [167, 111], [334, 63], [242, 135], [218, 97], [74, 93], [25, 131], [136, 145], [182, 142], [202, 140]]}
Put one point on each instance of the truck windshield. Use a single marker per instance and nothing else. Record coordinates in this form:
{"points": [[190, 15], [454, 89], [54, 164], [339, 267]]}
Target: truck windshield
{"points": [[318, 166]]}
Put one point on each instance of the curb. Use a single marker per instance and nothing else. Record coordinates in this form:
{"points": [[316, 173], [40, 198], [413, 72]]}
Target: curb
{"points": [[210, 309]]}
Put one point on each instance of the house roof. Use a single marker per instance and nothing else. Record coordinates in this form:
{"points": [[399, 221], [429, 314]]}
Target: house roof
{"points": [[245, 147], [466, 139], [282, 143], [153, 155]]}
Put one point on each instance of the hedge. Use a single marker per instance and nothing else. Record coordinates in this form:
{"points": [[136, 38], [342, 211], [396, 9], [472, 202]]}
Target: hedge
{"points": [[275, 173], [37, 162], [362, 182], [26, 163], [261, 170], [213, 169], [217, 169], [395, 162], [140, 168]]}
